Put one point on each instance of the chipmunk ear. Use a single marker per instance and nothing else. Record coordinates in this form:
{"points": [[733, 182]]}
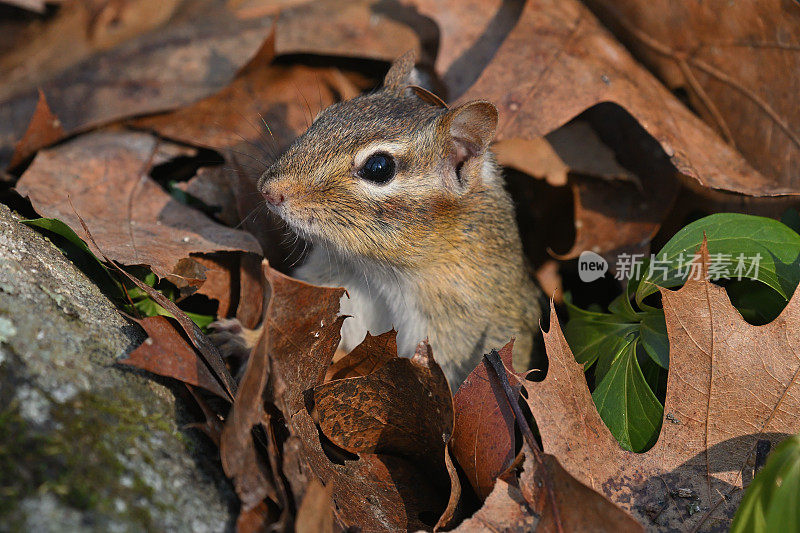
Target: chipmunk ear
{"points": [[472, 126], [469, 129], [400, 71]]}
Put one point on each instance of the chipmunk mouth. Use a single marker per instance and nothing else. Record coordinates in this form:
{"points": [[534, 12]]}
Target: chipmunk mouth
{"points": [[305, 227]]}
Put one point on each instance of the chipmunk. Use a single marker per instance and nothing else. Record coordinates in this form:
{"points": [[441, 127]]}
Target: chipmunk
{"points": [[405, 207]]}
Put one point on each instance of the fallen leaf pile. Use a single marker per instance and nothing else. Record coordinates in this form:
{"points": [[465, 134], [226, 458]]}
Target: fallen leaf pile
{"points": [[143, 126]]}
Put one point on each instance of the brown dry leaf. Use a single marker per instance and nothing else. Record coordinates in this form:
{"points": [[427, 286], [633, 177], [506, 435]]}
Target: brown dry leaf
{"points": [[730, 385], [256, 520], [233, 190], [212, 425], [198, 51], [522, 505], [37, 6], [220, 281], [234, 280], [248, 9], [618, 215], [167, 353], [711, 49], [618, 211], [250, 310], [252, 476], [574, 506], [78, 29], [562, 503], [554, 61], [549, 279], [208, 352], [404, 408], [258, 114], [216, 188], [367, 357], [469, 33], [535, 157], [315, 514], [104, 175], [505, 509], [357, 28], [483, 434], [373, 491], [543, 496], [455, 511], [574, 147], [44, 129]]}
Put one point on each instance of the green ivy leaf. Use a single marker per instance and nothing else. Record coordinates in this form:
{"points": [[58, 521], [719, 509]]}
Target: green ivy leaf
{"points": [[791, 218], [149, 307], [592, 336], [772, 500], [757, 247], [653, 329], [757, 303], [626, 403], [59, 228], [629, 347]]}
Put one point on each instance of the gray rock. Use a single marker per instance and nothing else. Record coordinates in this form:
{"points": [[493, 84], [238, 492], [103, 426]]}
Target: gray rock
{"points": [[86, 445]]}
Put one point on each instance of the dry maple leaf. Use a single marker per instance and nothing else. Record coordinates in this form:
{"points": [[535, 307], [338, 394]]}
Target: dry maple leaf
{"points": [[77, 30], [483, 435], [209, 354], [235, 281], [195, 54], [544, 496], [132, 218], [711, 49], [44, 129], [357, 28], [370, 490], [167, 353], [371, 354], [315, 514], [730, 386], [543, 62], [259, 113]]}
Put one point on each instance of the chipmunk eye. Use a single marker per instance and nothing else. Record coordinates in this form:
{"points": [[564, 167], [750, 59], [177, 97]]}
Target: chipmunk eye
{"points": [[378, 168]]}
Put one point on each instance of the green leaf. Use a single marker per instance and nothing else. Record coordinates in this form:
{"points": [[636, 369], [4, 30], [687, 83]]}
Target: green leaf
{"points": [[59, 228], [772, 500], [653, 329], [791, 218], [593, 336], [626, 403], [149, 307], [754, 247], [621, 305], [757, 303]]}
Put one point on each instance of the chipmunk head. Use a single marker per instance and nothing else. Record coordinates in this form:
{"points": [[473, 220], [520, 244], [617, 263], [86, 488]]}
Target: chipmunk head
{"points": [[384, 173]]}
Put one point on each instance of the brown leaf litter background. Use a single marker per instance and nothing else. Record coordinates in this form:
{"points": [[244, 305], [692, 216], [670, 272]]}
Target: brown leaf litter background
{"points": [[619, 121]]}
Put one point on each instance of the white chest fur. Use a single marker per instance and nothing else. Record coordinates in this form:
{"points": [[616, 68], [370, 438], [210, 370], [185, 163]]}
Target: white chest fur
{"points": [[379, 299]]}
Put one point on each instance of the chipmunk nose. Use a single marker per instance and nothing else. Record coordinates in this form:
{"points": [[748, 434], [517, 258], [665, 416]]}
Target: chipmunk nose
{"points": [[273, 198]]}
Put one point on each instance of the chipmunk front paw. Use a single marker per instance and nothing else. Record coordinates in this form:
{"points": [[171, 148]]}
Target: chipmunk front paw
{"points": [[234, 341]]}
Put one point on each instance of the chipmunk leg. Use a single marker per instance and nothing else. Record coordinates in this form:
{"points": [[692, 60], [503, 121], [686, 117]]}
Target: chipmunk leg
{"points": [[234, 341]]}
